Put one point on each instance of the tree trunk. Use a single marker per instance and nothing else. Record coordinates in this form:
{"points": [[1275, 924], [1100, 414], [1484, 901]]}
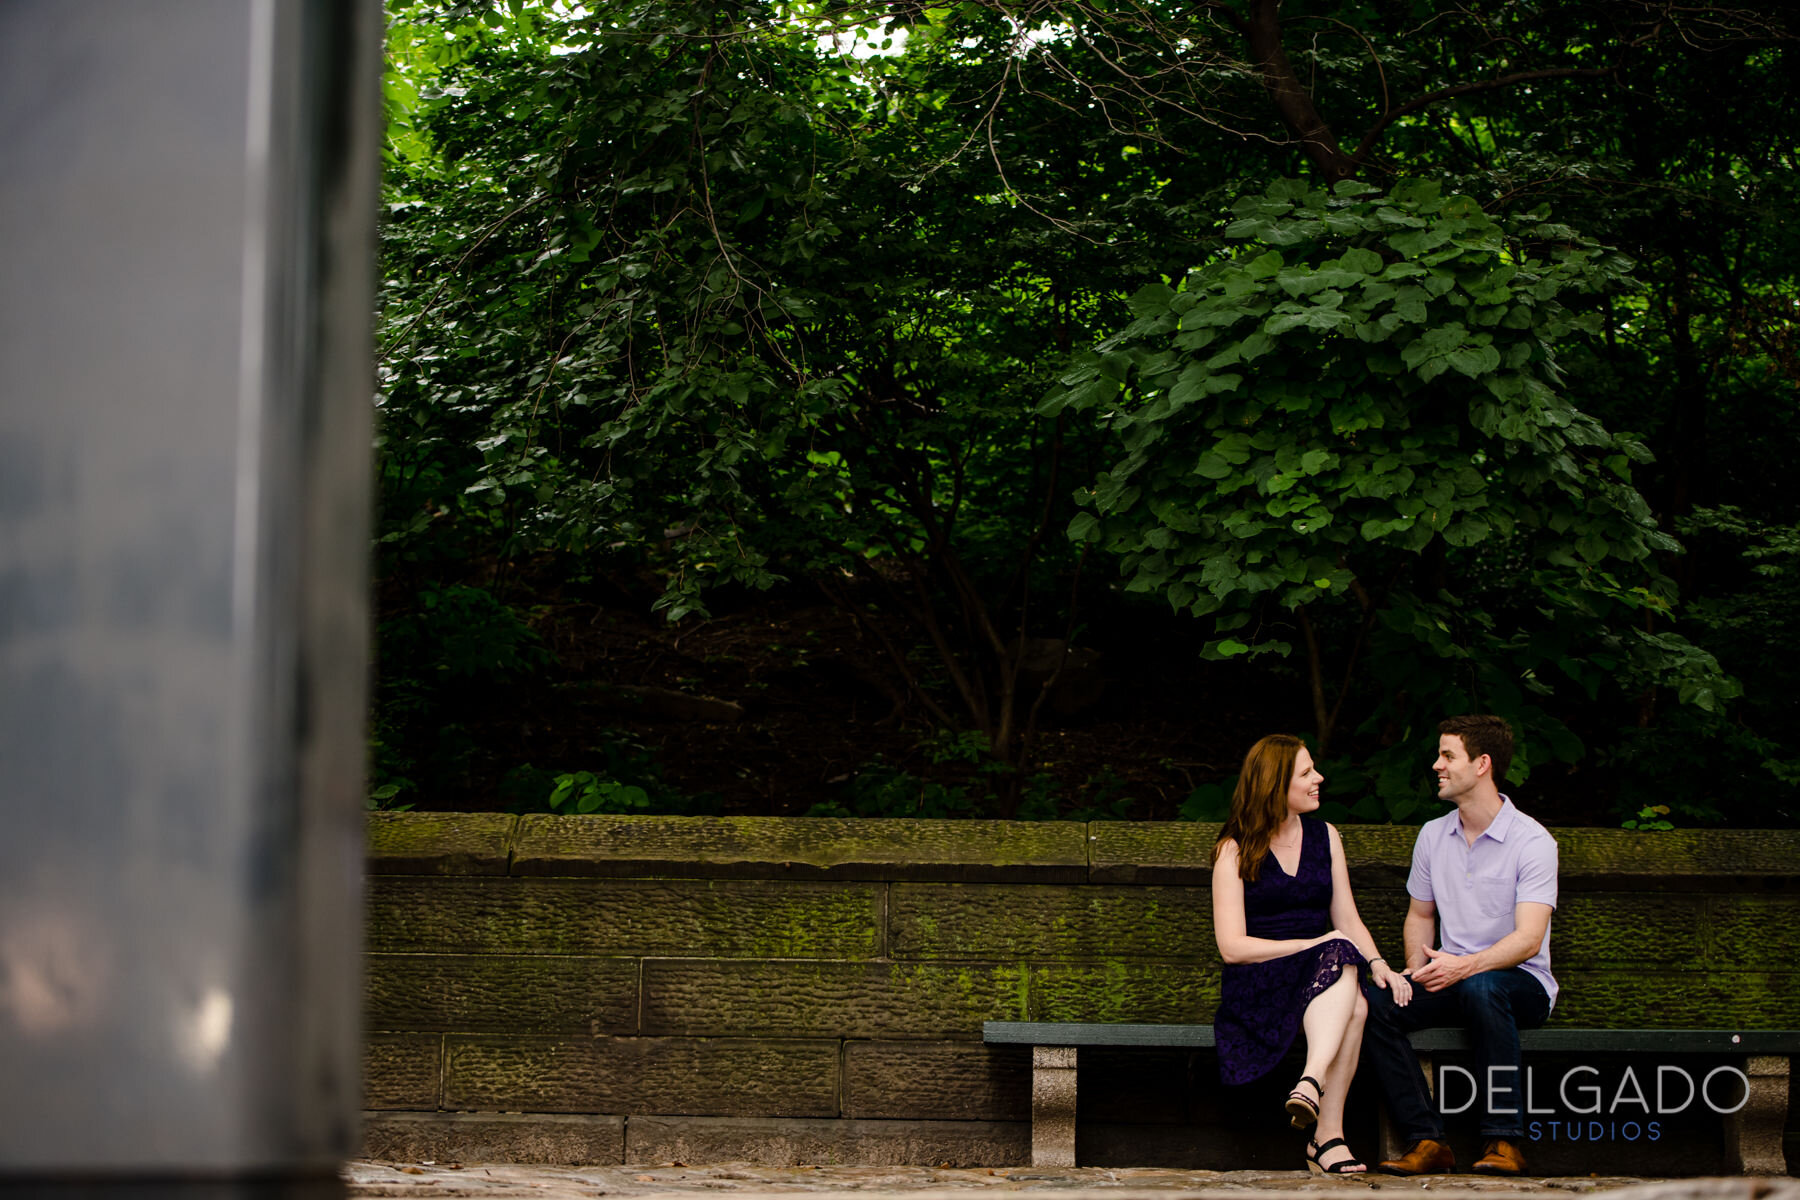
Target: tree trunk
{"points": [[1324, 717], [1293, 103], [1689, 426]]}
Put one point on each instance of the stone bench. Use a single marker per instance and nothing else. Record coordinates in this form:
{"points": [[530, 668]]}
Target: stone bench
{"points": [[1753, 1132]]}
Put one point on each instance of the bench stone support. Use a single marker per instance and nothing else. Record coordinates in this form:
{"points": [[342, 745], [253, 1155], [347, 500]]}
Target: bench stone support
{"points": [[1053, 1106], [1753, 1133]]}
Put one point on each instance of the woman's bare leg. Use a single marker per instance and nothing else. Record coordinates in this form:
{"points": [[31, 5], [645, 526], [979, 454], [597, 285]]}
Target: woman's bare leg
{"points": [[1339, 1073], [1325, 1021]]}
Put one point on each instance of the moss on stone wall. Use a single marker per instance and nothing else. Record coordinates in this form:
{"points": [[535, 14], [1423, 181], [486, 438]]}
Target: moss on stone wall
{"points": [[764, 966], [801, 848]]}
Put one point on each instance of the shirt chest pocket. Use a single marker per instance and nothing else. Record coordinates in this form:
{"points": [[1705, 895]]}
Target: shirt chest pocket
{"points": [[1496, 893]]}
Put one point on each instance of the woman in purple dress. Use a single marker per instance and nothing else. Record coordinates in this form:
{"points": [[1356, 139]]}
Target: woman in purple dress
{"points": [[1293, 945]]}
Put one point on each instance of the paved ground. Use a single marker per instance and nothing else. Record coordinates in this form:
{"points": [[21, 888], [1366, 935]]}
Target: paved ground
{"points": [[369, 1179]]}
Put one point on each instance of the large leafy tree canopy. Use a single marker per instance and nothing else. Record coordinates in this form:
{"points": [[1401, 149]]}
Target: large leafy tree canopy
{"points": [[747, 292], [1366, 417]]}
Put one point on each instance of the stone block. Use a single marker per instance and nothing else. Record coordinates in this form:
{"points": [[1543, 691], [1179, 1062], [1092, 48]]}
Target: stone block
{"points": [[801, 848], [962, 1081], [1180, 852], [711, 918], [1124, 992], [402, 1070], [1151, 852], [1752, 932], [494, 1138], [1595, 929], [785, 1143], [1598, 929], [670, 1076], [1379, 856], [1019, 921], [797, 998], [433, 843], [1383, 910], [469, 993], [1675, 999], [1716, 860], [723, 997]]}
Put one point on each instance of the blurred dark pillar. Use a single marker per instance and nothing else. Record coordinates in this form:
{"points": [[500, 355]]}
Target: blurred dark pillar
{"points": [[187, 204]]}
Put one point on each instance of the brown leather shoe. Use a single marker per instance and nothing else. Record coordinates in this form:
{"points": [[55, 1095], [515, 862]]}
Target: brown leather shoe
{"points": [[1502, 1158], [1425, 1158]]}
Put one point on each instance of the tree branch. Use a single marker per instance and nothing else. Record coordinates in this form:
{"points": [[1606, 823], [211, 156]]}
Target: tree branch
{"points": [[863, 622], [388, 350], [1463, 89], [1030, 732]]}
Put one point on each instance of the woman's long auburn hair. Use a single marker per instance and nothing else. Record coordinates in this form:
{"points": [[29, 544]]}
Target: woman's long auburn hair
{"points": [[1259, 802]]}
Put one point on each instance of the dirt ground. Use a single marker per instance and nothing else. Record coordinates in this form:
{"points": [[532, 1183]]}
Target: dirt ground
{"points": [[818, 699], [496, 1182]]}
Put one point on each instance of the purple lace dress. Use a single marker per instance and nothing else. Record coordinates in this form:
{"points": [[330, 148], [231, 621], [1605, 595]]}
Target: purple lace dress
{"points": [[1260, 1004]]}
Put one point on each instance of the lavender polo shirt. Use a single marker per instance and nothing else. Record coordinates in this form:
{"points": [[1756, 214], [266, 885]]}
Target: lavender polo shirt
{"points": [[1475, 887]]}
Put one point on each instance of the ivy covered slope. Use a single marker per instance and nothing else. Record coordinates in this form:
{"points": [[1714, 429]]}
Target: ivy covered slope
{"points": [[1351, 441]]}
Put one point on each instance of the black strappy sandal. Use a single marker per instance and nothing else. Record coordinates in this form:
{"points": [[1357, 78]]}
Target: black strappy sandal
{"points": [[1301, 1111], [1345, 1166]]}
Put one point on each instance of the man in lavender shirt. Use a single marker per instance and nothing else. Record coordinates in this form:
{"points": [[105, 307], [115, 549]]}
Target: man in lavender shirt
{"points": [[1484, 881]]}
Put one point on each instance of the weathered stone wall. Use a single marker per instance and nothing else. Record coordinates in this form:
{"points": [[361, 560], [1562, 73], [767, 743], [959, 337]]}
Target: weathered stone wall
{"points": [[651, 989]]}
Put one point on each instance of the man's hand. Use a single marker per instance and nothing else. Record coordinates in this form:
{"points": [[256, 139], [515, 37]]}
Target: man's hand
{"points": [[1441, 970]]}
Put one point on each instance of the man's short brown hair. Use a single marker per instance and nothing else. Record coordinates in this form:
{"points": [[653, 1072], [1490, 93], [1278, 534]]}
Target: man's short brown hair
{"points": [[1487, 734]]}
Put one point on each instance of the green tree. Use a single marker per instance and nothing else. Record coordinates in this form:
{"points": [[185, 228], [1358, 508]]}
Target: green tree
{"points": [[1359, 429], [684, 286], [679, 284]]}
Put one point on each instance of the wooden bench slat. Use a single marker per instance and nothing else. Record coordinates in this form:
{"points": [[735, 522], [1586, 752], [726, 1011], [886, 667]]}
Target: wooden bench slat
{"points": [[1632, 1041], [1603, 1041]]}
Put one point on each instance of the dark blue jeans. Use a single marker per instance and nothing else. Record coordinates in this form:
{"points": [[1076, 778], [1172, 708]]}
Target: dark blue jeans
{"points": [[1492, 1006]]}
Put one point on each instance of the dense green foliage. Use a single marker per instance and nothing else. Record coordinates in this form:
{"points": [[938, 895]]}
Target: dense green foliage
{"points": [[1361, 428], [693, 292]]}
